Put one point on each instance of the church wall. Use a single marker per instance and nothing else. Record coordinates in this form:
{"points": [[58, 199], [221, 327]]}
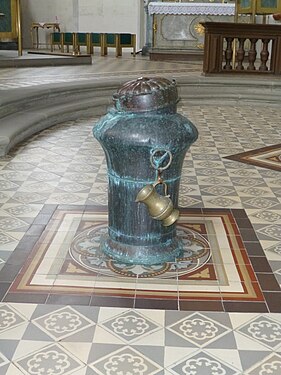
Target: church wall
{"points": [[84, 15]]}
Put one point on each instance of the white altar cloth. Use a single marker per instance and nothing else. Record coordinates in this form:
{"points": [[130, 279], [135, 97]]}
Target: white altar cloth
{"points": [[216, 9]]}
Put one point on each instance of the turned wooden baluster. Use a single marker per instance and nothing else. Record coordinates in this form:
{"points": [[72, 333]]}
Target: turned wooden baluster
{"points": [[228, 54], [240, 54], [252, 54], [264, 55]]}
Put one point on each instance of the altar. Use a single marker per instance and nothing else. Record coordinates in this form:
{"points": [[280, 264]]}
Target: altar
{"points": [[177, 30]]}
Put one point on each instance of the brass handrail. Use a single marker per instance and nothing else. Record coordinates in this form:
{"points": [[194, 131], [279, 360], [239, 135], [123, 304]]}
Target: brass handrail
{"points": [[19, 28]]}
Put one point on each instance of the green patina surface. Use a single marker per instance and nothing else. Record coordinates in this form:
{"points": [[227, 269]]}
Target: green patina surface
{"points": [[143, 123]]}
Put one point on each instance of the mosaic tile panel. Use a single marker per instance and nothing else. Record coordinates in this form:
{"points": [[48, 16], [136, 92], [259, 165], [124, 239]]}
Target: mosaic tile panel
{"points": [[66, 262]]}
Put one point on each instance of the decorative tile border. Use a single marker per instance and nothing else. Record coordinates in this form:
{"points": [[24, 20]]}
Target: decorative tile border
{"points": [[230, 278], [265, 157]]}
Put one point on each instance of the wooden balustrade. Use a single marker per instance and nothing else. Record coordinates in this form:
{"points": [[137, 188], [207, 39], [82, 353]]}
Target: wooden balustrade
{"points": [[242, 48]]}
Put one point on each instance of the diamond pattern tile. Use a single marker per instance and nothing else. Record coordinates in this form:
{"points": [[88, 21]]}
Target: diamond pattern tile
{"points": [[130, 326], [62, 323], [9, 318], [266, 331], [202, 363], [11, 223], [270, 365], [125, 361], [198, 329], [50, 359]]}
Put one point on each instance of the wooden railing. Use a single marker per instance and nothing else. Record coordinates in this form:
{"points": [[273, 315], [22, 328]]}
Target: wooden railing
{"points": [[225, 48], [75, 40]]}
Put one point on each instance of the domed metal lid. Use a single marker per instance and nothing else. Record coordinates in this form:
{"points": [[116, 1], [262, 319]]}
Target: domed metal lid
{"points": [[146, 94]]}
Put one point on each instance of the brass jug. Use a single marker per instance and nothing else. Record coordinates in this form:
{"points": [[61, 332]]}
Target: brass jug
{"points": [[159, 207]]}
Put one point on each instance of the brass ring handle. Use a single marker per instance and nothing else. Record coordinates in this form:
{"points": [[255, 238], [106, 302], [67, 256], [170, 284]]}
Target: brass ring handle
{"points": [[152, 160]]}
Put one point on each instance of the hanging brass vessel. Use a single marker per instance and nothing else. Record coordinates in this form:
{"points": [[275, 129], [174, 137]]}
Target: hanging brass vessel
{"points": [[159, 207]]}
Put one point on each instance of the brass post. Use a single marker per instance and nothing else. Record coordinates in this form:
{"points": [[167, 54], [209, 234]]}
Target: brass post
{"points": [[234, 41], [236, 12], [19, 28], [154, 27], [75, 44], [254, 11]]}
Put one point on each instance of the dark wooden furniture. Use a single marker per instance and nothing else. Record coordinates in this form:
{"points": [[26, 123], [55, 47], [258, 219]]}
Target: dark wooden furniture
{"points": [[225, 52]]}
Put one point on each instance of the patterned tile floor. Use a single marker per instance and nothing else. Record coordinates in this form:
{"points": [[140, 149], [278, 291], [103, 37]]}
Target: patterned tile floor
{"points": [[106, 66], [63, 168]]}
